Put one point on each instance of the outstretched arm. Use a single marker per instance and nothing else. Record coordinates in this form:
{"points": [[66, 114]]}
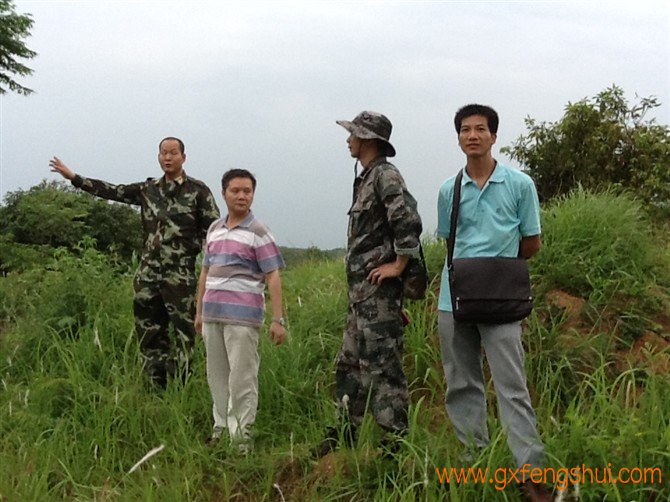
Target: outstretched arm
{"points": [[128, 194], [57, 166]]}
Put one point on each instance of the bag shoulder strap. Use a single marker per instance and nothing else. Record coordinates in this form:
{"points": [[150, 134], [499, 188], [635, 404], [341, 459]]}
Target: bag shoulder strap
{"points": [[422, 259], [456, 201]]}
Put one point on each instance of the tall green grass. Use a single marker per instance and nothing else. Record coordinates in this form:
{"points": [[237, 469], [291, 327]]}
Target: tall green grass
{"points": [[76, 413], [597, 245]]}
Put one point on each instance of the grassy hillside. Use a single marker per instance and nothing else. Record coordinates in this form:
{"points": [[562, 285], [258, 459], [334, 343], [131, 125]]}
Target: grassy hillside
{"points": [[76, 414]]}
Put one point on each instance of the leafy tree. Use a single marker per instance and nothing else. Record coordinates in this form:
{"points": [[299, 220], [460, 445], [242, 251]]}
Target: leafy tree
{"points": [[16, 256], [52, 214], [13, 28], [599, 142]]}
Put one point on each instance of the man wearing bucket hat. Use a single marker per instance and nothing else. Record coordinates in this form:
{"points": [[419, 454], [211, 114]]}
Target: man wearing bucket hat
{"points": [[384, 231]]}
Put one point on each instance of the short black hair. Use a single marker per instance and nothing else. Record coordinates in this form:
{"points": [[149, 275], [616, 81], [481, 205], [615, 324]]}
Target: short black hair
{"points": [[474, 109], [181, 143], [237, 173]]}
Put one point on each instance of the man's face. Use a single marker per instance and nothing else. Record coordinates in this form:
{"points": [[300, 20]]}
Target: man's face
{"points": [[474, 138], [171, 159], [354, 143], [239, 194]]}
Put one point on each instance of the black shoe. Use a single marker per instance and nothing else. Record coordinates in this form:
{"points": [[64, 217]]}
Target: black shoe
{"points": [[329, 443], [212, 441], [332, 441], [536, 492], [391, 444]]}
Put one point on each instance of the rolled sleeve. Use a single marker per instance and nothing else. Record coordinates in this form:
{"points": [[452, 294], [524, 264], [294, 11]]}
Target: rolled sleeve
{"points": [[401, 211]]}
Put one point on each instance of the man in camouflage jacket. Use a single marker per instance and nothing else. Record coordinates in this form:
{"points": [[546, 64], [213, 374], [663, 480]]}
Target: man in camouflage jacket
{"points": [[384, 231], [176, 211]]}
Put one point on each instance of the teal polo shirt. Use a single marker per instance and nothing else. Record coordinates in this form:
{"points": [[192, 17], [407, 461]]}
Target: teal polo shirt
{"points": [[491, 220]]}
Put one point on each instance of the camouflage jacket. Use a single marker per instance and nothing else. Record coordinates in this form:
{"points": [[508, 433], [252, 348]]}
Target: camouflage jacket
{"points": [[175, 218], [383, 222]]}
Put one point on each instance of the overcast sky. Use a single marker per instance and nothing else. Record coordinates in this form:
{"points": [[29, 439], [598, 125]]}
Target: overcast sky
{"points": [[259, 86]]}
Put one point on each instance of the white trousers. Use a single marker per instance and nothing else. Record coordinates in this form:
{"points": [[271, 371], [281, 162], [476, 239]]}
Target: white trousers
{"points": [[232, 374]]}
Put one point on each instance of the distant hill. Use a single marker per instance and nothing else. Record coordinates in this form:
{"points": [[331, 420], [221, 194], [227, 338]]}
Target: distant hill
{"points": [[296, 256]]}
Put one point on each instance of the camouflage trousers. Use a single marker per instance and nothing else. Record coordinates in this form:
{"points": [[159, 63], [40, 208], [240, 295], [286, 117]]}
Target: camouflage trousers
{"points": [[369, 364], [155, 306]]}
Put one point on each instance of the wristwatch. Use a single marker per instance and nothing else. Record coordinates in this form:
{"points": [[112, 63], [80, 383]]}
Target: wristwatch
{"points": [[279, 320]]}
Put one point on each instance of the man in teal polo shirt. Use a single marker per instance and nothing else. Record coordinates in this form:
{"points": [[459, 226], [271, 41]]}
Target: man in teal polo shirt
{"points": [[499, 215]]}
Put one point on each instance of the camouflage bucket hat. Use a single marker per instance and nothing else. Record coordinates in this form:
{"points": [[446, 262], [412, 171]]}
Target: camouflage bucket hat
{"points": [[371, 125]]}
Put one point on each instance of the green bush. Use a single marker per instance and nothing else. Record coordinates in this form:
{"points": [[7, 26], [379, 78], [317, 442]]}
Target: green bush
{"points": [[52, 214], [600, 143], [596, 244]]}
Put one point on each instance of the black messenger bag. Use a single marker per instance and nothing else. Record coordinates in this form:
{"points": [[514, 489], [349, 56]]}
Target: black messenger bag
{"points": [[487, 290]]}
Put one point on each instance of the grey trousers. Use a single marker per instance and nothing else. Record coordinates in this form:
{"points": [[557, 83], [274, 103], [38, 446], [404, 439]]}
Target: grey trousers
{"points": [[465, 399]]}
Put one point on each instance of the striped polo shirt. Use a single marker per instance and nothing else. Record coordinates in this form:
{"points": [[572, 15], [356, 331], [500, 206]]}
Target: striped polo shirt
{"points": [[238, 259]]}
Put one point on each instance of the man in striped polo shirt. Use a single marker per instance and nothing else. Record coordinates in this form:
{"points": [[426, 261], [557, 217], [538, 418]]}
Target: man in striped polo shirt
{"points": [[241, 256]]}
